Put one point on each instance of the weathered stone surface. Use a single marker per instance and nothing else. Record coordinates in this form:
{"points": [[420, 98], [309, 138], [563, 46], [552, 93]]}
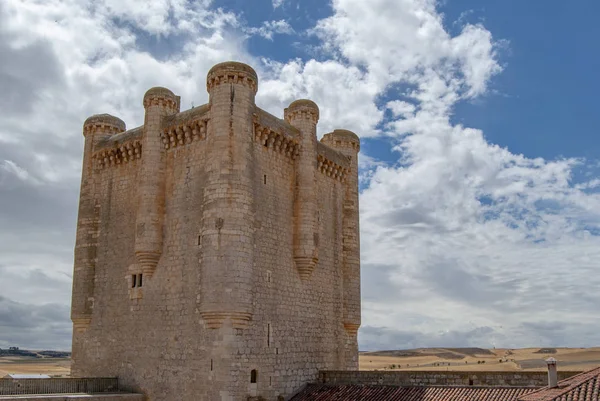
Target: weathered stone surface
{"points": [[81, 397], [423, 378], [217, 241]]}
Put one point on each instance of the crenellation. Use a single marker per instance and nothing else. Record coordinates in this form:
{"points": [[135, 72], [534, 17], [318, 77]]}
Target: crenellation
{"points": [[163, 98], [331, 169], [126, 152], [277, 141], [232, 73], [185, 133], [219, 259]]}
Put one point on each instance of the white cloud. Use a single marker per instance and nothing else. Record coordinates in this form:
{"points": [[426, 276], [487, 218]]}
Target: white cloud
{"points": [[10, 167], [67, 60], [459, 236], [269, 28], [278, 3], [401, 108]]}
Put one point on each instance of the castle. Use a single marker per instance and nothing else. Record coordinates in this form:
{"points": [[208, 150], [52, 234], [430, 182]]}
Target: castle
{"points": [[217, 253], [217, 258]]}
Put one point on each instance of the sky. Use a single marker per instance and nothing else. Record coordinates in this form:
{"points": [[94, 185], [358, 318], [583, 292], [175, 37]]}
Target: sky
{"points": [[479, 203]]}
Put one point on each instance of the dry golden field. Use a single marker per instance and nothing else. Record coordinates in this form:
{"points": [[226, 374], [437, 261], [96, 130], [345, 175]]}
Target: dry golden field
{"points": [[26, 364], [462, 359], [466, 359]]}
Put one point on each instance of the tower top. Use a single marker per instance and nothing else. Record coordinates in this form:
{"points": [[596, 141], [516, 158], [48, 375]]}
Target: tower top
{"points": [[232, 72], [158, 94], [103, 121], [301, 107], [233, 66], [342, 138]]}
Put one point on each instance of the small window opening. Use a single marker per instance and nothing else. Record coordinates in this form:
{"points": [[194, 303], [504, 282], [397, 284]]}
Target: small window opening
{"points": [[133, 280], [211, 365], [470, 382], [199, 240], [268, 334], [270, 381], [253, 375], [140, 280], [268, 276], [276, 351], [265, 179]]}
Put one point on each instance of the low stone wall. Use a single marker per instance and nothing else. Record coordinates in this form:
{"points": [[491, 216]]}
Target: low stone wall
{"points": [[58, 385], [75, 397], [440, 378]]}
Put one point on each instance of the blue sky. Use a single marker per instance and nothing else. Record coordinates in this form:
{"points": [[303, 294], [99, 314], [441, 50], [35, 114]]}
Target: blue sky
{"points": [[549, 81], [546, 103], [480, 217]]}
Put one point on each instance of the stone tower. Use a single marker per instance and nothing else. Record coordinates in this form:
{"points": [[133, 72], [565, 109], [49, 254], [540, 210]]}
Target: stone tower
{"points": [[217, 253]]}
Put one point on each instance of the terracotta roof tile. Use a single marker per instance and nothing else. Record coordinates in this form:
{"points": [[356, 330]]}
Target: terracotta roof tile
{"points": [[324, 392], [582, 387]]}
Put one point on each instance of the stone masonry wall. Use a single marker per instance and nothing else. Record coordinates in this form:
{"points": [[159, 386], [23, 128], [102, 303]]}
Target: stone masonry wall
{"points": [[160, 338], [440, 378]]}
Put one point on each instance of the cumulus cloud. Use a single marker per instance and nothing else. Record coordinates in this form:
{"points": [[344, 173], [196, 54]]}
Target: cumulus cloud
{"points": [[67, 60], [270, 28], [463, 242], [39, 327], [278, 3]]}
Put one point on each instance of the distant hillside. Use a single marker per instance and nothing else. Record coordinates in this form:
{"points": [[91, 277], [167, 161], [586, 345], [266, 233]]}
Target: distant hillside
{"points": [[468, 359], [16, 351], [444, 353]]}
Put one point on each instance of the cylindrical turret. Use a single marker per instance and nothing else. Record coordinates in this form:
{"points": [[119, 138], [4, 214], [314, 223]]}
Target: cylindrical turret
{"points": [[95, 128], [158, 102], [304, 115], [227, 232], [348, 143]]}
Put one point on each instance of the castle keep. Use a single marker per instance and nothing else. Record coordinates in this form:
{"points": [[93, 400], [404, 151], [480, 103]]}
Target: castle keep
{"points": [[217, 252]]}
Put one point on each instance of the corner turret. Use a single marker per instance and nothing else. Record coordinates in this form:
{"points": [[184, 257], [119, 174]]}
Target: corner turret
{"points": [[231, 72], [304, 115], [95, 128], [158, 102], [226, 237], [348, 143], [103, 125]]}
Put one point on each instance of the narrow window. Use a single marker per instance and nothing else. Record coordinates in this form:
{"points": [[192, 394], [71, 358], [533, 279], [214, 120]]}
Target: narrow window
{"points": [[211, 365], [199, 239], [276, 351], [253, 376], [268, 334], [470, 382], [270, 381], [268, 276], [133, 281], [140, 280], [265, 179]]}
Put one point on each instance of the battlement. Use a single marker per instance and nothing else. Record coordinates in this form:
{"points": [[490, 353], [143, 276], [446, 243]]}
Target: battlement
{"points": [[222, 234], [192, 125], [231, 72], [103, 123], [159, 96]]}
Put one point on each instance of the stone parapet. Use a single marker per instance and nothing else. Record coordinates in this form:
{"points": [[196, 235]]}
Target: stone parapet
{"points": [[67, 397], [439, 378], [58, 385]]}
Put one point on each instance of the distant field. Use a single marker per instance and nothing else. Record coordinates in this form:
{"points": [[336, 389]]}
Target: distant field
{"points": [[470, 359], [27, 364], [453, 359]]}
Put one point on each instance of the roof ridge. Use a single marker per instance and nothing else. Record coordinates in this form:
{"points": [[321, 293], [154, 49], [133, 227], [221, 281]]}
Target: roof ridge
{"points": [[570, 384]]}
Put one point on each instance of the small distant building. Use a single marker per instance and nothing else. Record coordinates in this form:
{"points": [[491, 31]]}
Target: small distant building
{"points": [[25, 376]]}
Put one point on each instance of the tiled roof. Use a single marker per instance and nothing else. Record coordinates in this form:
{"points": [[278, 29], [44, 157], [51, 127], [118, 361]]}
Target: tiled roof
{"points": [[582, 387], [324, 392]]}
